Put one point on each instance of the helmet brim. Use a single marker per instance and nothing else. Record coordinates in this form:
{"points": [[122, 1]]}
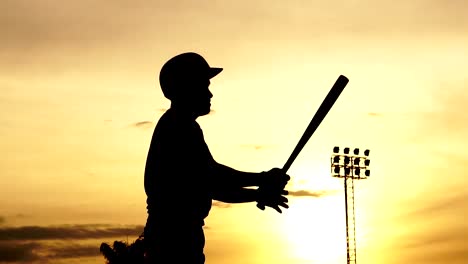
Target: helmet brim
{"points": [[214, 71]]}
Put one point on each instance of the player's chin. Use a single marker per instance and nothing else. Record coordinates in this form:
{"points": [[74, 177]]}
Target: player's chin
{"points": [[204, 111]]}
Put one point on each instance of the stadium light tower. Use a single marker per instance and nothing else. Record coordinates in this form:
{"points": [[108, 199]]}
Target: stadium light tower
{"points": [[350, 167]]}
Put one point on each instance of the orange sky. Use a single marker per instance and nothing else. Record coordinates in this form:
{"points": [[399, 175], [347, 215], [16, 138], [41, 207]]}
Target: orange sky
{"points": [[80, 97]]}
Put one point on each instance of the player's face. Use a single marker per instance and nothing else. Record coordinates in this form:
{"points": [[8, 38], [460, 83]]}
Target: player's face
{"points": [[199, 97], [203, 98]]}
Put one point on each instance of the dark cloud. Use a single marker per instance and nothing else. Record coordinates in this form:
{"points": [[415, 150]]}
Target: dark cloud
{"points": [[305, 193], [12, 251], [144, 124], [73, 251], [33, 243], [18, 252], [67, 232]]}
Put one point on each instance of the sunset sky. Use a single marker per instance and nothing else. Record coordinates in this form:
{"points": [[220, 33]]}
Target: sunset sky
{"points": [[79, 100]]}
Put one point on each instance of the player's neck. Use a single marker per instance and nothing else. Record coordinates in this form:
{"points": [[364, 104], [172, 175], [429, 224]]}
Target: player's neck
{"points": [[183, 112]]}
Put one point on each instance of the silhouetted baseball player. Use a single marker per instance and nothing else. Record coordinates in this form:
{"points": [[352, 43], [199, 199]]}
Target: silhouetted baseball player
{"points": [[181, 176]]}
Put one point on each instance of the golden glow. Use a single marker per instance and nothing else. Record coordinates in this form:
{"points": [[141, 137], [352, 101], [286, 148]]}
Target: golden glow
{"points": [[314, 229], [76, 77]]}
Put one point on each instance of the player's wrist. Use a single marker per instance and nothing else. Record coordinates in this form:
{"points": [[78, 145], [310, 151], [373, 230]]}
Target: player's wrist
{"points": [[259, 195], [262, 178]]}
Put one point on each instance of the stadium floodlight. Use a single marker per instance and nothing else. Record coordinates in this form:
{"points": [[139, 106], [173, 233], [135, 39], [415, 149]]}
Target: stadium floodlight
{"points": [[357, 172], [347, 171], [367, 173], [356, 161], [366, 152], [346, 150], [336, 150], [356, 151], [367, 162], [337, 169], [346, 160], [336, 159]]}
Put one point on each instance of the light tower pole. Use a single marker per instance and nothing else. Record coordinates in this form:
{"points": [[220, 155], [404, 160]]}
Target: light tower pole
{"points": [[350, 168]]}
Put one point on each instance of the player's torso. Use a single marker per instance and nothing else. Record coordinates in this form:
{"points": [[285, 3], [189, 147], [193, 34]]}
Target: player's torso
{"points": [[177, 171]]}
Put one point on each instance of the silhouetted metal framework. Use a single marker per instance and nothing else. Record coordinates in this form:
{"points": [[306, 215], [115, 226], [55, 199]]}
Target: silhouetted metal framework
{"points": [[350, 167]]}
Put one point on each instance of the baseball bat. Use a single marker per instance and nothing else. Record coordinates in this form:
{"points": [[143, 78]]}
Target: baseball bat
{"points": [[322, 111]]}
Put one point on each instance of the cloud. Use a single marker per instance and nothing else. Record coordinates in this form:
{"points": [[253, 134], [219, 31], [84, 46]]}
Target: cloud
{"points": [[32, 243], [63, 34], [33, 251], [439, 245], [55, 24], [144, 124], [374, 114], [73, 251], [305, 193], [2, 220], [67, 232], [436, 238], [150, 124], [221, 204], [438, 206], [83, 22], [16, 252]]}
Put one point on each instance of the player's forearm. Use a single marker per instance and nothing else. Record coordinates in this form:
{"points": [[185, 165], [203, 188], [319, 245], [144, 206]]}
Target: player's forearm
{"points": [[230, 177], [236, 195]]}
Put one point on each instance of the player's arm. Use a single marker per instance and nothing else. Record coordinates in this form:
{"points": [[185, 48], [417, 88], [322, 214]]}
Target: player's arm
{"points": [[228, 178], [237, 195], [225, 177], [274, 200]]}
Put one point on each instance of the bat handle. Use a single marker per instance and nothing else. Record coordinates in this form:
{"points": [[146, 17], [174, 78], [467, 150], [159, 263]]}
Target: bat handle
{"points": [[260, 205]]}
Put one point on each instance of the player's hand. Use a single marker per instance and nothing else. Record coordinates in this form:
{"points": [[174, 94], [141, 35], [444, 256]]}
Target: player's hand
{"points": [[272, 198], [273, 185], [274, 179]]}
